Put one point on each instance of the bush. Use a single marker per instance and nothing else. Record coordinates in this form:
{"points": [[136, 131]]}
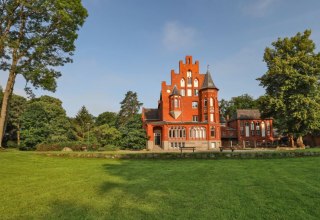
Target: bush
{"points": [[12, 144], [74, 145], [108, 147]]}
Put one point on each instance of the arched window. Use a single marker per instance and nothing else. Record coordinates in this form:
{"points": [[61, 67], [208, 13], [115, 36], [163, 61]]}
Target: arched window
{"points": [[263, 129], [198, 132], [258, 128], [177, 132], [182, 83], [205, 103], [211, 102], [189, 78], [195, 83], [247, 129], [268, 128], [252, 128]]}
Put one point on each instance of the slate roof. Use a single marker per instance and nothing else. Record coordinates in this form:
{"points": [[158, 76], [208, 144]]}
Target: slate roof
{"points": [[247, 114], [151, 114], [208, 82]]}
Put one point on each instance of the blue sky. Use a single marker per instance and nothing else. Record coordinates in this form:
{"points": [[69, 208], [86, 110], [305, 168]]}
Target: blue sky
{"points": [[133, 45]]}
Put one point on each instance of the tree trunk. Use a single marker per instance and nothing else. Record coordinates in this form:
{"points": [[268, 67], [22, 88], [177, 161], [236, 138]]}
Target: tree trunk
{"points": [[290, 140], [300, 142], [5, 101], [18, 135]]}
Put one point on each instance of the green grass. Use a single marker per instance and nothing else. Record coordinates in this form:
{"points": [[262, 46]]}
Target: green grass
{"points": [[38, 187]]}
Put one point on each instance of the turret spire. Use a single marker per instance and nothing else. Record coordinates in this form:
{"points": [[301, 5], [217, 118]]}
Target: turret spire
{"points": [[208, 82]]}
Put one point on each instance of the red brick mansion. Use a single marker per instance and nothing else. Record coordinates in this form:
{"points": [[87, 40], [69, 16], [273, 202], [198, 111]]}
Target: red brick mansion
{"points": [[188, 115]]}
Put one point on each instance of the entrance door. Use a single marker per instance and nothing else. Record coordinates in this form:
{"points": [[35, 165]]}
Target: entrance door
{"points": [[157, 138]]}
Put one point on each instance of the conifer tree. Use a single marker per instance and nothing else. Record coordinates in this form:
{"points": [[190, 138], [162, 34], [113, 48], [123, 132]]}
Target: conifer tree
{"points": [[130, 106]]}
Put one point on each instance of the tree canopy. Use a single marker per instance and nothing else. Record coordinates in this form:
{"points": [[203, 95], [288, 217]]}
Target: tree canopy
{"points": [[35, 37], [292, 85], [245, 101], [130, 106], [44, 120]]}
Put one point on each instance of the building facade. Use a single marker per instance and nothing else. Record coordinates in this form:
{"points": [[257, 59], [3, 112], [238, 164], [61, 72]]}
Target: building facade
{"points": [[246, 128], [188, 113]]}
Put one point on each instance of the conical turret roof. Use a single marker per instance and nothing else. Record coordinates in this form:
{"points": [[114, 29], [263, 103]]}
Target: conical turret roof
{"points": [[208, 82]]}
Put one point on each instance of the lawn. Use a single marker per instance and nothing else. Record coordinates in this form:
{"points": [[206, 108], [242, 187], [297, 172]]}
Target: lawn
{"points": [[39, 187]]}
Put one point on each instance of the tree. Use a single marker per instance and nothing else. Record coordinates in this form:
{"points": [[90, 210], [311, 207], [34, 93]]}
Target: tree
{"points": [[84, 119], [130, 106], [45, 120], [16, 108], [108, 118], [133, 135], [35, 37], [292, 85], [229, 108], [106, 135]]}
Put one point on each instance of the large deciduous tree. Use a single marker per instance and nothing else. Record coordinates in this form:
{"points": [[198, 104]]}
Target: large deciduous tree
{"points": [[45, 120], [292, 85], [35, 37]]}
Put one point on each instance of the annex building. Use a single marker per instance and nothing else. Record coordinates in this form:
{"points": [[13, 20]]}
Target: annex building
{"points": [[188, 115]]}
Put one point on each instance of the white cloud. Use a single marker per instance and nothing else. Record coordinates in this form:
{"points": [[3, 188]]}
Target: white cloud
{"points": [[176, 36], [259, 8]]}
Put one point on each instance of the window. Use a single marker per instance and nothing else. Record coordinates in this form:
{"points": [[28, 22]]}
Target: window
{"points": [[205, 117], [211, 117], [194, 104], [177, 132], [195, 118], [195, 83], [183, 92], [258, 128], [189, 78], [189, 92], [263, 129], [211, 102], [182, 83], [198, 132], [242, 130], [268, 128], [212, 132], [252, 128], [247, 129], [196, 92], [176, 103], [205, 103]]}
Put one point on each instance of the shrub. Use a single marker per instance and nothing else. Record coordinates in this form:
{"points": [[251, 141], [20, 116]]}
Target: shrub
{"points": [[12, 144], [108, 147], [74, 145]]}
